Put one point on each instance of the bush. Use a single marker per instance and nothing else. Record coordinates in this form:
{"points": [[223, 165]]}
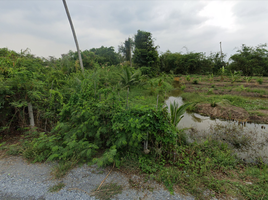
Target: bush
{"points": [[195, 81], [88, 124], [260, 80]]}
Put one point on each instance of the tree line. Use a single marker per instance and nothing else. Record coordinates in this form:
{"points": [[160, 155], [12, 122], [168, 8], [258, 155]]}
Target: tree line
{"points": [[141, 52]]}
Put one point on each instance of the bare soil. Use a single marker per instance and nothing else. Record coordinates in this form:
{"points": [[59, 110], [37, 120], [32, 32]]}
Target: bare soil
{"points": [[230, 113], [216, 86]]}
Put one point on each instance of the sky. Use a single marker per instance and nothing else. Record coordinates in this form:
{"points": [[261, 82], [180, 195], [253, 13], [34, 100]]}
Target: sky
{"points": [[178, 26]]}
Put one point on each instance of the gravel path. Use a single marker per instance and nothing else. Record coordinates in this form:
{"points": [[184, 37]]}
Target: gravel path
{"points": [[21, 180]]}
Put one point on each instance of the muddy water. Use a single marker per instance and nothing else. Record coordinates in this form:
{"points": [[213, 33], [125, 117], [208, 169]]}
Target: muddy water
{"points": [[203, 125]]}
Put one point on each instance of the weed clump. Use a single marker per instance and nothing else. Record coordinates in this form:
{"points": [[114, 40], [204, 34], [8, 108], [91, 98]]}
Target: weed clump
{"points": [[260, 80], [195, 81]]}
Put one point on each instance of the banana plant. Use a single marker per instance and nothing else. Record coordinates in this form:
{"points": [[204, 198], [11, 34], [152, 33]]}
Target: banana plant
{"points": [[222, 72]]}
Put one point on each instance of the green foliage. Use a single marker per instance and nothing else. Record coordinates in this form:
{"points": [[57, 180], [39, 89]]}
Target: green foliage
{"points": [[176, 112], [57, 187], [243, 102], [191, 166], [183, 87], [188, 63], [188, 78], [106, 55], [222, 72], [145, 53], [126, 49], [130, 77], [251, 61], [248, 78], [211, 76], [234, 76], [260, 80], [210, 91], [25, 78], [159, 85], [213, 104], [195, 81], [95, 118]]}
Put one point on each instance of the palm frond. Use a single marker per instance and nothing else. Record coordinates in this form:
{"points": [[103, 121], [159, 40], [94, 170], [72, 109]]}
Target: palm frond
{"points": [[176, 112]]}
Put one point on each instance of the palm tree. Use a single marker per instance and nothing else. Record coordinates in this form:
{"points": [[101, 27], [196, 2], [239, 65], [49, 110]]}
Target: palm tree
{"points": [[129, 78], [176, 112], [75, 39]]}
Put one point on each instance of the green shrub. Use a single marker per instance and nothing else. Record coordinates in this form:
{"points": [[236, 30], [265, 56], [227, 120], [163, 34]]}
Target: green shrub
{"points": [[260, 80], [183, 87], [188, 78], [88, 124], [195, 81]]}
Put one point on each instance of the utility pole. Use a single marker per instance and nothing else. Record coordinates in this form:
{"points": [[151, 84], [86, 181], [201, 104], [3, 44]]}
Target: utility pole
{"points": [[74, 35], [221, 52]]}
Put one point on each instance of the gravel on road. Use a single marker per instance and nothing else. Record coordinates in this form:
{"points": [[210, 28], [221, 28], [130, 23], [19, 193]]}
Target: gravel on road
{"points": [[22, 180]]}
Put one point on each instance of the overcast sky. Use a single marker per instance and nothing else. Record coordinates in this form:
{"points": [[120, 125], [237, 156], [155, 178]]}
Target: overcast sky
{"points": [[200, 26]]}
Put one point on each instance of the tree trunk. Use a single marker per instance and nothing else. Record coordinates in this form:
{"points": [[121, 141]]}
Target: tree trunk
{"points": [[74, 35]]}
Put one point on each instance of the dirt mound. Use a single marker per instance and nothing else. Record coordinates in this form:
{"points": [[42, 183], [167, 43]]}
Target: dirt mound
{"points": [[223, 111]]}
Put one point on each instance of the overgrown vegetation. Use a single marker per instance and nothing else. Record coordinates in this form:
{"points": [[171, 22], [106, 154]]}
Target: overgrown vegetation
{"points": [[113, 113]]}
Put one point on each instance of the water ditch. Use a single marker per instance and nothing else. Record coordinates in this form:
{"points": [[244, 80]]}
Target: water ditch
{"points": [[250, 140]]}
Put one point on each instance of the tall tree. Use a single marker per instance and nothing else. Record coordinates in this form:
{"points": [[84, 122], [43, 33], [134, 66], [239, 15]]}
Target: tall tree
{"points": [[250, 60], [126, 49], [106, 55], [145, 53]]}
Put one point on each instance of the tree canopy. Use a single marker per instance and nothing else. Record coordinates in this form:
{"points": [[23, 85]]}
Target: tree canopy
{"points": [[145, 53], [251, 61]]}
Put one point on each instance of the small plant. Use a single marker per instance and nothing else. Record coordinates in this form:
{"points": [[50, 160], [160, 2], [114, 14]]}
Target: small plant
{"points": [[213, 104], [241, 88], [61, 170], [108, 191], [213, 86], [57, 187], [14, 150], [210, 91], [176, 112], [195, 81], [183, 87], [222, 71], [234, 76], [211, 76], [260, 80], [248, 79], [188, 78]]}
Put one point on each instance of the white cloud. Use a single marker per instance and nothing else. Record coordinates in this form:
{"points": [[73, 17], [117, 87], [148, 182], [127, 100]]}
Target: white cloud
{"points": [[199, 25], [220, 14], [38, 46]]}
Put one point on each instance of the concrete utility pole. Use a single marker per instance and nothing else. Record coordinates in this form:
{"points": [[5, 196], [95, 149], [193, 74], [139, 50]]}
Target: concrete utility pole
{"points": [[75, 39], [221, 52]]}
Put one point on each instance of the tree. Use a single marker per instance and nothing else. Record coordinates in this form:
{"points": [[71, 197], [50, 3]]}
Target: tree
{"points": [[189, 63], [106, 55], [250, 60], [217, 60], [126, 49], [145, 53]]}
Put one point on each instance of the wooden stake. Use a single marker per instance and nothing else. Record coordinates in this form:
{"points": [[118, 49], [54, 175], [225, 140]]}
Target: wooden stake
{"points": [[30, 110]]}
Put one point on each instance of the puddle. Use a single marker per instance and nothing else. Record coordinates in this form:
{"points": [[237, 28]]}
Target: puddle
{"points": [[204, 125]]}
